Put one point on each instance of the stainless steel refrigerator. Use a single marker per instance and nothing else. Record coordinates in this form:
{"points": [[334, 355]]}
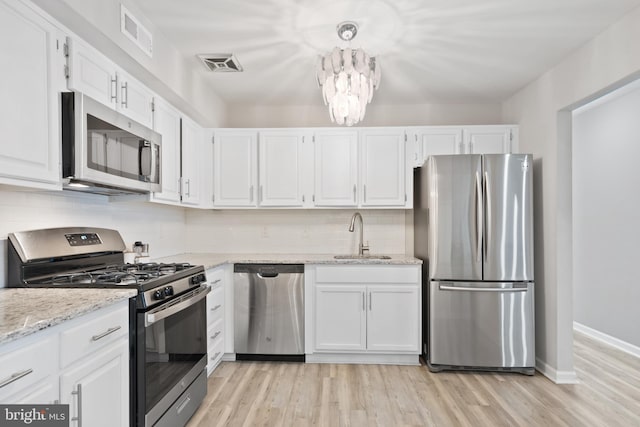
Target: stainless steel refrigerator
{"points": [[474, 231]]}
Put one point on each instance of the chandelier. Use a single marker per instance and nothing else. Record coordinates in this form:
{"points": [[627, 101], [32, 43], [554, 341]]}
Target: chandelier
{"points": [[348, 78]]}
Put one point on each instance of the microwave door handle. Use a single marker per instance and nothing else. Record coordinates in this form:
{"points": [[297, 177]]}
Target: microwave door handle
{"points": [[144, 158]]}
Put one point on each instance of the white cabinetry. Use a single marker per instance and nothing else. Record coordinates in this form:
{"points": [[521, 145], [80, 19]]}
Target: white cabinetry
{"points": [[218, 279], [235, 168], [481, 139], [95, 75], [488, 139], [192, 149], [31, 64], [336, 168], [370, 311], [167, 124], [384, 168], [83, 363], [282, 168]]}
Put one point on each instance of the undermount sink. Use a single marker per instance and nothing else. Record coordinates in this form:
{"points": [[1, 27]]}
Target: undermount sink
{"points": [[356, 256]]}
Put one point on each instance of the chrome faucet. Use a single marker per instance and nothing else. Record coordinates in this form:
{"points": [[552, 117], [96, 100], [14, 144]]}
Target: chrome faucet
{"points": [[361, 247]]}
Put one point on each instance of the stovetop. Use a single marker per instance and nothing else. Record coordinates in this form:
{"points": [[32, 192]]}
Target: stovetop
{"points": [[141, 276]]}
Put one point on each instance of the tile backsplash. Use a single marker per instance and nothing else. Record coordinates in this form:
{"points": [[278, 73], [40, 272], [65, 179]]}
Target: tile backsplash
{"points": [[170, 230]]}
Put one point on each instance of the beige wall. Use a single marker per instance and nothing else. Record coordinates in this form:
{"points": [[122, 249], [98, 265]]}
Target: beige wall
{"points": [[377, 115], [542, 109]]}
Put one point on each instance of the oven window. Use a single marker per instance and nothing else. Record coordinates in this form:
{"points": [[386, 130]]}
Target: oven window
{"points": [[173, 347]]}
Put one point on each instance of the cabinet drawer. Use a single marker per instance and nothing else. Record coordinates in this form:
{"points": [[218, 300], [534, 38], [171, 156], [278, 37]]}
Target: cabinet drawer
{"points": [[215, 305], [368, 274], [215, 277], [215, 333], [91, 333], [23, 366], [215, 350]]}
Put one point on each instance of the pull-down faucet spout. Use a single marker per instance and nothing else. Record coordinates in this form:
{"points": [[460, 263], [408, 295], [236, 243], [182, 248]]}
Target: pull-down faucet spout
{"points": [[361, 247]]}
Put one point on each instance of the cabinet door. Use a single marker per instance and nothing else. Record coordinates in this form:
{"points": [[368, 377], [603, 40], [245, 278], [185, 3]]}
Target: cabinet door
{"points": [[234, 168], [383, 168], [167, 124], [393, 318], [92, 73], [340, 317], [135, 99], [336, 168], [192, 147], [487, 139], [438, 140], [281, 168], [45, 392], [97, 387], [30, 130]]}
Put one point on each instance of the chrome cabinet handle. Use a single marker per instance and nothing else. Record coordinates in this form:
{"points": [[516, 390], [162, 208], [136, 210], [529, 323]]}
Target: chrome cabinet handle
{"points": [[125, 95], [104, 334], [215, 282], [78, 393], [188, 184], [216, 307], [251, 194], [364, 304], [370, 298], [354, 193], [216, 335], [365, 192], [15, 377], [114, 90]]}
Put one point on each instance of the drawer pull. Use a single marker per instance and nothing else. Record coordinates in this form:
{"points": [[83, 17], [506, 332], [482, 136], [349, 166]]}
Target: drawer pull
{"points": [[15, 377], [216, 335], [215, 282], [215, 356], [104, 334], [216, 307]]}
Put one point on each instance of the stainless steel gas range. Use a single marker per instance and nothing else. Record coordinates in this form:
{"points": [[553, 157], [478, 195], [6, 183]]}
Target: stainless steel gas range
{"points": [[168, 344]]}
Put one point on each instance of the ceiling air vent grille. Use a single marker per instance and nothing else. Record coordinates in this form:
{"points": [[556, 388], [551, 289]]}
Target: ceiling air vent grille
{"points": [[135, 31], [221, 62]]}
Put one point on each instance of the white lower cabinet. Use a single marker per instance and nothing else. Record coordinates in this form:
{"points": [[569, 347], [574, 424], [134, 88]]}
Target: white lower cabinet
{"points": [[83, 362], [366, 310], [97, 388], [217, 279]]}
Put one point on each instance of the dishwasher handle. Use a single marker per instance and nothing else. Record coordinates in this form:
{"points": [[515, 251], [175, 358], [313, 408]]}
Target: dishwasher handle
{"points": [[268, 275]]}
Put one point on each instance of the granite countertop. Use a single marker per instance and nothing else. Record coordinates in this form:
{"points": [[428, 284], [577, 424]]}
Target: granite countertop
{"points": [[26, 311], [213, 260]]}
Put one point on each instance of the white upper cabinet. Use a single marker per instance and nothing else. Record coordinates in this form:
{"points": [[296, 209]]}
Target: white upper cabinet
{"points": [[488, 139], [281, 165], [167, 124], [234, 168], [31, 61], [135, 99], [192, 149], [95, 75], [436, 140], [336, 168], [384, 168]]}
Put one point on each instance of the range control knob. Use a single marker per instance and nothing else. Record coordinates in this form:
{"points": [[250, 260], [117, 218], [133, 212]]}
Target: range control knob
{"points": [[168, 291], [197, 279], [159, 294]]}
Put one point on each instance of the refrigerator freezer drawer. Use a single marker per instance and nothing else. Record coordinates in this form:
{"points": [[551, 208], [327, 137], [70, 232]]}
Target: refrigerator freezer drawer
{"points": [[481, 325]]}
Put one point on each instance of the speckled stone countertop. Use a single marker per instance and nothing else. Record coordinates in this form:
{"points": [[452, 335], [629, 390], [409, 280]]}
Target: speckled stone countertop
{"points": [[26, 311], [215, 260]]}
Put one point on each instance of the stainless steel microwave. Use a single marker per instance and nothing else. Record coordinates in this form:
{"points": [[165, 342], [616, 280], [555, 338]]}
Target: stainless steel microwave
{"points": [[104, 151]]}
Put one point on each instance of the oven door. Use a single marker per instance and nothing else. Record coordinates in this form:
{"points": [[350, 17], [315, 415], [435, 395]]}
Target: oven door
{"points": [[171, 352]]}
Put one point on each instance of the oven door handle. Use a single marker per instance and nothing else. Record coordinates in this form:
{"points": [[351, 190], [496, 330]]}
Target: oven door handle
{"points": [[163, 313]]}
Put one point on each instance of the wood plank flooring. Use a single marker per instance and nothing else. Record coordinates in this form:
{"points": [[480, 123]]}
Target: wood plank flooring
{"points": [[295, 394]]}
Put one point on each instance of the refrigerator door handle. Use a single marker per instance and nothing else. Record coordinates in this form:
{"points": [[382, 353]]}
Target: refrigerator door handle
{"points": [[488, 216], [478, 212], [470, 289]]}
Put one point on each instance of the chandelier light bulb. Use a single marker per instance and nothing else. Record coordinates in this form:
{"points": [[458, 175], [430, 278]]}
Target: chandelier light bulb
{"points": [[348, 78]]}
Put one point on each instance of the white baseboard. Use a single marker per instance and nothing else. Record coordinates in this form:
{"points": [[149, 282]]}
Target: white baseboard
{"points": [[359, 358], [607, 339], [558, 377]]}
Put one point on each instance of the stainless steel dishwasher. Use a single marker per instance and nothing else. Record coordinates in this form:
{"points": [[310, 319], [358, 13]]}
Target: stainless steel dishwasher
{"points": [[269, 311]]}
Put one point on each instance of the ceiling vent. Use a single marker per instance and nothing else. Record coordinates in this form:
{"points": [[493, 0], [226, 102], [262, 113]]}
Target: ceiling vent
{"points": [[221, 62]]}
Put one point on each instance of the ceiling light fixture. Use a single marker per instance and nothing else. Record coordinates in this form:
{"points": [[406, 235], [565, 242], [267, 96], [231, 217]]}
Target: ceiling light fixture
{"points": [[348, 78]]}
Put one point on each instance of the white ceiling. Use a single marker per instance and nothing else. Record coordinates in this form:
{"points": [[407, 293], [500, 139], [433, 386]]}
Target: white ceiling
{"points": [[431, 51]]}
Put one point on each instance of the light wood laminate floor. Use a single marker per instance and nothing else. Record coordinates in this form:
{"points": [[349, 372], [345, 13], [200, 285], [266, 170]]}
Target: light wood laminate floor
{"points": [[289, 394]]}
